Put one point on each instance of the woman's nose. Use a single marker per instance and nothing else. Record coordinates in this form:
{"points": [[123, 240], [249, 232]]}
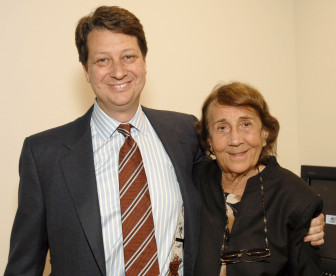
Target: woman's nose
{"points": [[235, 137]]}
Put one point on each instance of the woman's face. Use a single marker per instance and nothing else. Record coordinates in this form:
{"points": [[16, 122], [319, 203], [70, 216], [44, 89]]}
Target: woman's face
{"points": [[236, 136]]}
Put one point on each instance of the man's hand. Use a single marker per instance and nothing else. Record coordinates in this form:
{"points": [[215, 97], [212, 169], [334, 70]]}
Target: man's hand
{"points": [[315, 233]]}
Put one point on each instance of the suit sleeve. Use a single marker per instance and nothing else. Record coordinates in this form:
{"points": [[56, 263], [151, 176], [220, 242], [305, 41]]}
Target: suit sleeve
{"points": [[28, 244], [303, 257], [200, 155]]}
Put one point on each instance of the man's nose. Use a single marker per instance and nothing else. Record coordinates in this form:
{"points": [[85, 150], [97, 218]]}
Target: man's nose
{"points": [[118, 70]]}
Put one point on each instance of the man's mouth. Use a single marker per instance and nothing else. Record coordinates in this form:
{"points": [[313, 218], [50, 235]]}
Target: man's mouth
{"points": [[120, 86]]}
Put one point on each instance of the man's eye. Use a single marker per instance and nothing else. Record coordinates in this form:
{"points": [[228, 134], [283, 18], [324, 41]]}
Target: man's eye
{"points": [[129, 57], [102, 61]]}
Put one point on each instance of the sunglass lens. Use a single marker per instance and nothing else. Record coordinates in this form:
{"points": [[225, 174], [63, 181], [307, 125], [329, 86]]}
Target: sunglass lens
{"points": [[257, 252], [231, 254]]}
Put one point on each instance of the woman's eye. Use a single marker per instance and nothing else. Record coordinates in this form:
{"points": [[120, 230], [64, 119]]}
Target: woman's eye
{"points": [[222, 128], [246, 125]]}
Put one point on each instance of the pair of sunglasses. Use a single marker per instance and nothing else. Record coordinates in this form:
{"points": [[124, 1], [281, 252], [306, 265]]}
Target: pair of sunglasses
{"points": [[251, 255]]}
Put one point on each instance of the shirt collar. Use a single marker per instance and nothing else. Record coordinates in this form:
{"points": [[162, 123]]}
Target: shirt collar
{"points": [[106, 125]]}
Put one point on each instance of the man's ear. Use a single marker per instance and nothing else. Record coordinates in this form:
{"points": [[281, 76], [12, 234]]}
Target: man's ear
{"points": [[86, 72]]}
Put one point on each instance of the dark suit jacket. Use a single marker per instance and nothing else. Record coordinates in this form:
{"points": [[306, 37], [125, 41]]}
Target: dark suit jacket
{"points": [[290, 205], [58, 206]]}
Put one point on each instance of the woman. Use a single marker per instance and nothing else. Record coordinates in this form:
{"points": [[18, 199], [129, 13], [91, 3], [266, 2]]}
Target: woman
{"points": [[255, 213]]}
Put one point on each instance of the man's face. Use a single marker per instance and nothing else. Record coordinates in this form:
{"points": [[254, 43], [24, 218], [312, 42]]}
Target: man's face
{"points": [[116, 71]]}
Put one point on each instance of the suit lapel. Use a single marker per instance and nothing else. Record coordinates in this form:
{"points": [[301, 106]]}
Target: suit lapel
{"points": [[79, 173]]}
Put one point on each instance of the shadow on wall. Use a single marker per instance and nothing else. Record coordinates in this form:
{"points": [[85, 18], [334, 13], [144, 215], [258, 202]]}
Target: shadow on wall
{"points": [[82, 92], [148, 96]]}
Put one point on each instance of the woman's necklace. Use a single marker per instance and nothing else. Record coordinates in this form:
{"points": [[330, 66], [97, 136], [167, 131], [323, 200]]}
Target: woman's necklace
{"points": [[227, 228]]}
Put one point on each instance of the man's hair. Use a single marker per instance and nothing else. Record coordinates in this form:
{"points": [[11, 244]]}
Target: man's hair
{"points": [[112, 18]]}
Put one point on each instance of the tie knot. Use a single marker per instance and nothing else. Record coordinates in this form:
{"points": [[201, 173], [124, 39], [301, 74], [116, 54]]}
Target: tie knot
{"points": [[125, 129]]}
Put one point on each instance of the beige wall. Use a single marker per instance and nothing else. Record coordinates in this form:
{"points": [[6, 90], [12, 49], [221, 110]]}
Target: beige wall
{"points": [[316, 78], [284, 48]]}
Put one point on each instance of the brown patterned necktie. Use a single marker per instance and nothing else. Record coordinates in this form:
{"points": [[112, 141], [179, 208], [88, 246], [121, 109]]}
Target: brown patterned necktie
{"points": [[140, 251]]}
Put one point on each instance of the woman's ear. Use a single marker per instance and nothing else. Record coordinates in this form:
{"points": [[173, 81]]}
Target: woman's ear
{"points": [[210, 146], [264, 135]]}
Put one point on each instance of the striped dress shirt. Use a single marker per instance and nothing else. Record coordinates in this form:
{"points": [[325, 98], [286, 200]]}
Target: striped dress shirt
{"points": [[164, 189]]}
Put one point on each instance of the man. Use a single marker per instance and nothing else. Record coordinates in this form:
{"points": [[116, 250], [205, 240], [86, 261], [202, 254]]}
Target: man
{"points": [[69, 192]]}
